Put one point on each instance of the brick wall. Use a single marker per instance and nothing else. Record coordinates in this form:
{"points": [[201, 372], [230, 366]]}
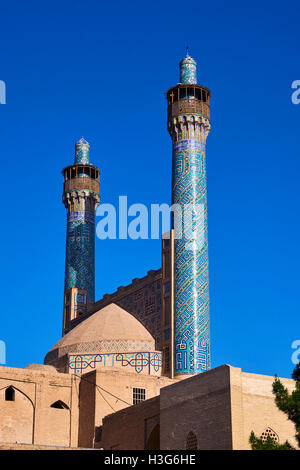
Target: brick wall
{"points": [[29, 418], [129, 429]]}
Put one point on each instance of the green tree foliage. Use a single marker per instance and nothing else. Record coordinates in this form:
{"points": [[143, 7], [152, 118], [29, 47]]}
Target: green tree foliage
{"points": [[287, 402], [269, 444]]}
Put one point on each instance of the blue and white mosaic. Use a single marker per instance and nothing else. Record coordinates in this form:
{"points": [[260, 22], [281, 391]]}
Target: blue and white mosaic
{"points": [[141, 362], [191, 265], [80, 252]]}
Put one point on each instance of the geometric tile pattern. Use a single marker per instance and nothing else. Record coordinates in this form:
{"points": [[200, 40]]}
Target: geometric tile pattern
{"points": [[146, 362], [106, 346], [80, 252], [191, 329]]}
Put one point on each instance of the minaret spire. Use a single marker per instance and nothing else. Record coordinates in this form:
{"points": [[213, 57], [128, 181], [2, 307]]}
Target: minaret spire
{"points": [[82, 151], [188, 69]]}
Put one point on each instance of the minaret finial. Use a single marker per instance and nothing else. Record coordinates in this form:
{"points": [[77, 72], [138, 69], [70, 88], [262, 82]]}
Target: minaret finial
{"points": [[82, 150], [188, 71]]}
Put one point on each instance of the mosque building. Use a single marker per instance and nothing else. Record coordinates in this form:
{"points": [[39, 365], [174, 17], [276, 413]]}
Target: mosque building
{"points": [[133, 369]]}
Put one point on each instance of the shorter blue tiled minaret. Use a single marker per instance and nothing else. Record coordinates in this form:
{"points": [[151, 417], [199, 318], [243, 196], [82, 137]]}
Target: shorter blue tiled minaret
{"points": [[81, 197]]}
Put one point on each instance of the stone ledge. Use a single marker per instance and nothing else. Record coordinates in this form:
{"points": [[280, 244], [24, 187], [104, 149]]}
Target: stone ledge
{"points": [[16, 446]]}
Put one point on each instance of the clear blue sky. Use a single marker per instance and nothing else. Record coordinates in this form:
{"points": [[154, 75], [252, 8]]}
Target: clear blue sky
{"points": [[100, 69]]}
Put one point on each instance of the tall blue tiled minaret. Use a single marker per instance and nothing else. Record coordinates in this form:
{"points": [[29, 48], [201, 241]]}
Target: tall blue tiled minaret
{"points": [[80, 197], [189, 125]]}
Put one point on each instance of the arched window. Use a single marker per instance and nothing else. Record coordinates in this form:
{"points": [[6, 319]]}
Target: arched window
{"points": [[269, 433], [60, 405], [191, 441], [10, 394]]}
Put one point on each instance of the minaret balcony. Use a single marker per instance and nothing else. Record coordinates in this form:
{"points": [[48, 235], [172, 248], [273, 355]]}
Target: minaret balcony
{"points": [[188, 106], [81, 182]]}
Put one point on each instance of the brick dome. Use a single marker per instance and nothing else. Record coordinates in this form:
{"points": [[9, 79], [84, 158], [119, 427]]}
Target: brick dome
{"points": [[111, 329]]}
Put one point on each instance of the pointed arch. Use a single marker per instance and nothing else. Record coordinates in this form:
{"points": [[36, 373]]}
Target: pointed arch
{"points": [[16, 389], [17, 415], [60, 405], [153, 442], [9, 393], [59, 422]]}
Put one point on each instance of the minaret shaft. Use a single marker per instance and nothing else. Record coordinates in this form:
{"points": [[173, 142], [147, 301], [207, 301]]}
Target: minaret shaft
{"points": [[188, 125], [80, 245]]}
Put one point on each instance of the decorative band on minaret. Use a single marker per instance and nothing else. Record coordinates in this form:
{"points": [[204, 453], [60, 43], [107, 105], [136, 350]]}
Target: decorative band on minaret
{"points": [[81, 198], [189, 125]]}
